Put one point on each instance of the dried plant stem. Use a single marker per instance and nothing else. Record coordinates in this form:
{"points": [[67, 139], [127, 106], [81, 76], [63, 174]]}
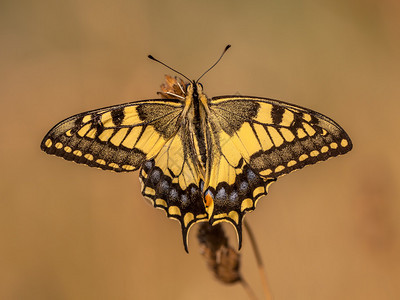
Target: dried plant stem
{"points": [[261, 269], [248, 289]]}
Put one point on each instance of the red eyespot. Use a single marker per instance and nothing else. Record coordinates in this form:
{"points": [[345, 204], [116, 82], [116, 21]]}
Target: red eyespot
{"points": [[208, 199]]}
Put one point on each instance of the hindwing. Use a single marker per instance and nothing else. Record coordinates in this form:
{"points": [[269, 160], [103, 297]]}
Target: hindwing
{"points": [[172, 182]]}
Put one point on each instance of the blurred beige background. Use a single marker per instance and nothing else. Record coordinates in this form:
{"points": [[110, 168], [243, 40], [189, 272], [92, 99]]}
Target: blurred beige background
{"points": [[330, 231]]}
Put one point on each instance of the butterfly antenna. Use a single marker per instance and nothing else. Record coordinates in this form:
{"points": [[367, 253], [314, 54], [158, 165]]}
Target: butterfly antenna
{"points": [[155, 59], [223, 52]]}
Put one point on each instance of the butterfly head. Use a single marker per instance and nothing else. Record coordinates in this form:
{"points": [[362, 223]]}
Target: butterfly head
{"points": [[196, 88]]}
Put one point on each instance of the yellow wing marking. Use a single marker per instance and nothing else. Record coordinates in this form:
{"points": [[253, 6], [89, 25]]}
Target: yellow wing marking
{"points": [[67, 149], [324, 149], [106, 120], [86, 118], [303, 157], [263, 137], [91, 134], [48, 143], [264, 114], [310, 131], [106, 135], [89, 156], [101, 161], [128, 167], [174, 210], [150, 142], [132, 137], [229, 149], [118, 137], [246, 141], [82, 132], [149, 191], [187, 219], [246, 204], [287, 134], [113, 165], [77, 152], [161, 202], [131, 116], [287, 118], [344, 143], [172, 159], [314, 153], [266, 172], [221, 171], [307, 117], [301, 133], [234, 216], [276, 137]]}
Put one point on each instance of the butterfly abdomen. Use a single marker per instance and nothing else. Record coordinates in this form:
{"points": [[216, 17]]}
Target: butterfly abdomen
{"points": [[198, 123]]}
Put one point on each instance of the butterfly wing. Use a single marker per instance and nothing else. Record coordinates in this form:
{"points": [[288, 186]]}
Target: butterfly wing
{"points": [[118, 138], [258, 140], [172, 182], [147, 134]]}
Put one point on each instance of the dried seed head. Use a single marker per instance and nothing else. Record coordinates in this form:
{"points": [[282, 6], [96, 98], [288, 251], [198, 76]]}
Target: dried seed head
{"points": [[173, 88], [221, 258]]}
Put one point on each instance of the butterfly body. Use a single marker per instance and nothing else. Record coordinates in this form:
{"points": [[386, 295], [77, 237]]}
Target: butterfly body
{"points": [[200, 158]]}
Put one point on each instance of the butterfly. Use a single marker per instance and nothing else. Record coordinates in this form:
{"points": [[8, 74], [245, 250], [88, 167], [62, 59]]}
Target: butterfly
{"points": [[199, 158]]}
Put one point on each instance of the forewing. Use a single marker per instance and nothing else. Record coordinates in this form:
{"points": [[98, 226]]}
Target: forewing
{"points": [[276, 138], [118, 138], [172, 182]]}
